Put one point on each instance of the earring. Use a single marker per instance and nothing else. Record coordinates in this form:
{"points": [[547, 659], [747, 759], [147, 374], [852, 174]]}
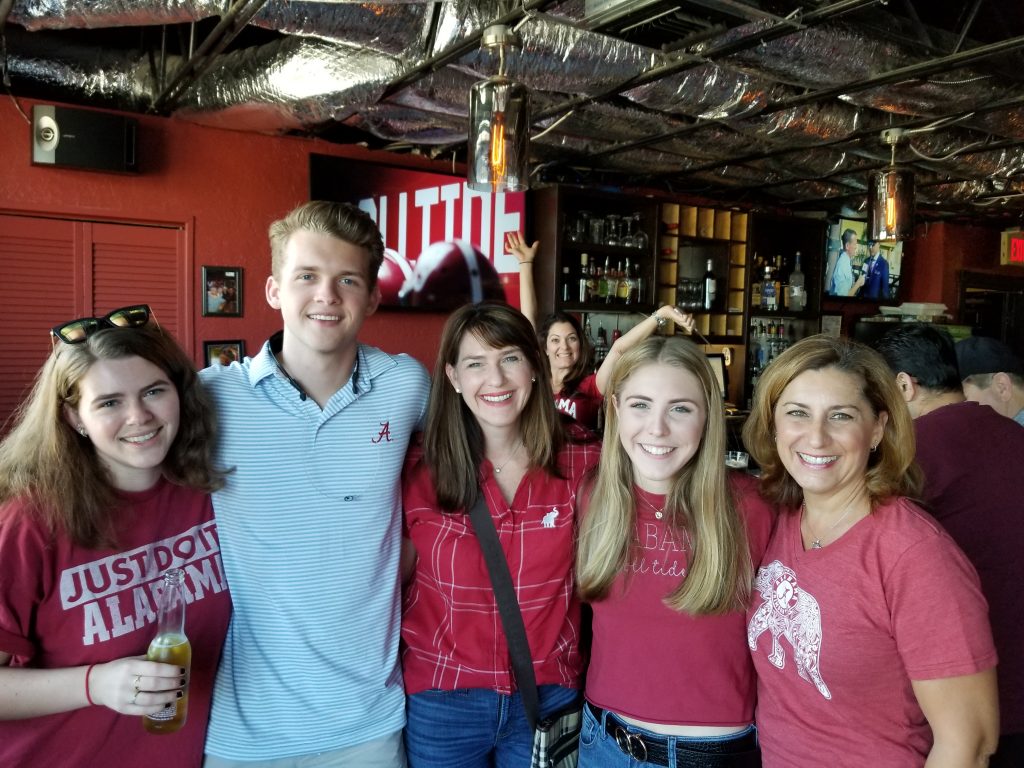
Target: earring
{"points": [[82, 431], [534, 379], [458, 391], [874, 447]]}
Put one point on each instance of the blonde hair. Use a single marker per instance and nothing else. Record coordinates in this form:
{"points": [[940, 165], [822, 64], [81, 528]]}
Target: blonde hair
{"points": [[699, 504], [343, 221], [891, 470]]}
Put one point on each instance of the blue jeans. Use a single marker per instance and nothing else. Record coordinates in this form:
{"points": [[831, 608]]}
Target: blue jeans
{"points": [[599, 749], [474, 727]]}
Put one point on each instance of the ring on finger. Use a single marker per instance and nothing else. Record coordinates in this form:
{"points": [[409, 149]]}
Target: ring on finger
{"points": [[137, 685], [135, 695]]}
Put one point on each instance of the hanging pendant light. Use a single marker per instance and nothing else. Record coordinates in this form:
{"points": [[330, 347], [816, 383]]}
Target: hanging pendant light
{"points": [[499, 124], [891, 199]]}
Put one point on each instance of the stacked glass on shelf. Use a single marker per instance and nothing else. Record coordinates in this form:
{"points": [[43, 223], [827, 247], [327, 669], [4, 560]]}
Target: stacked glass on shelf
{"points": [[698, 293], [613, 229]]}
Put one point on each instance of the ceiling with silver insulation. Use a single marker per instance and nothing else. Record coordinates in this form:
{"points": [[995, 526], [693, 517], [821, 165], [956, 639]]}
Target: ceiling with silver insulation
{"points": [[759, 102]]}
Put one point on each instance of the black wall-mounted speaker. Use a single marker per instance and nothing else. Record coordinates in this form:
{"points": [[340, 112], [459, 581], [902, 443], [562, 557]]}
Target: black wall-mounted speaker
{"points": [[80, 138]]}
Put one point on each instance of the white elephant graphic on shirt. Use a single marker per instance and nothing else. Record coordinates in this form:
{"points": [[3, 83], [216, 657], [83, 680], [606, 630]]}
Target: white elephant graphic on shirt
{"points": [[789, 612]]}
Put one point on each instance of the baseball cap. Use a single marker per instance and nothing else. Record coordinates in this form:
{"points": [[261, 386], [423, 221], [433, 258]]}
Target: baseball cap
{"points": [[981, 354]]}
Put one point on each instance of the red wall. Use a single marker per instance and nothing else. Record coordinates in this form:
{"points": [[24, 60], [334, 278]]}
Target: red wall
{"points": [[941, 250], [229, 185]]}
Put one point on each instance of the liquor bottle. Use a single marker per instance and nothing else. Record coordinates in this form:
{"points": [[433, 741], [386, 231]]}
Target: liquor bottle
{"points": [[777, 279], [797, 294], [602, 282], [584, 295], [601, 346], [622, 289], [769, 300], [755, 286], [171, 646], [710, 287], [566, 276]]}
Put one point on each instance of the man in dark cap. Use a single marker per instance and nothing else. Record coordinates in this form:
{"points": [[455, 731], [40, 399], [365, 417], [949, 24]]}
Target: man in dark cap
{"points": [[964, 448], [992, 375]]}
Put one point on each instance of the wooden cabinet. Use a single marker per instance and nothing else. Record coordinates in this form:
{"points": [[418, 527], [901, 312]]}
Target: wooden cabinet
{"points": [[562, 221], [689, 237]]}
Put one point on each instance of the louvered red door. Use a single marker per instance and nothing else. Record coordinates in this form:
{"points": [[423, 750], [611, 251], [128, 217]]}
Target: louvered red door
{"points": [[56, 269]]}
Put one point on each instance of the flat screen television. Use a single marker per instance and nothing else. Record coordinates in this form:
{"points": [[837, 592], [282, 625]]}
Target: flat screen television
{"points": [[861, 268]]}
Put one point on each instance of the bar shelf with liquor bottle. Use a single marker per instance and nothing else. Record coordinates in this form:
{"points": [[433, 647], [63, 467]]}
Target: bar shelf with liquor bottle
{"points": [[596, 251], [784, 297], [702, 267]]}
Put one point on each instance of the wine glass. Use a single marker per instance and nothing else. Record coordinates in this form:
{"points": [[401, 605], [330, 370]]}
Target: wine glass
{"points": [[628, 240], [640, 238], [612, 235]]}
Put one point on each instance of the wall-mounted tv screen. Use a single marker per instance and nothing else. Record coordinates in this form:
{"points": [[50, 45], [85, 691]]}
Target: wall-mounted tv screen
{"points": [[858, 267]]}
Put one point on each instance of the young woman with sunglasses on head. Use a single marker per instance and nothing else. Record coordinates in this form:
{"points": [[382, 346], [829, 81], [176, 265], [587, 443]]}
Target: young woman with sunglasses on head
{"points": [[665, 557], [104, 486], [577, 393]]}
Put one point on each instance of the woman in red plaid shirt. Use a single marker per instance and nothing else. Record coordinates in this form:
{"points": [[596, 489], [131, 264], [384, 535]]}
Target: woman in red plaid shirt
{"points": [[490, 430]]}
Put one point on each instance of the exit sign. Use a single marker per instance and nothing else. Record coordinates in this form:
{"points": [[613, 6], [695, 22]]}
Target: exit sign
{"points": [[1012, 250]]}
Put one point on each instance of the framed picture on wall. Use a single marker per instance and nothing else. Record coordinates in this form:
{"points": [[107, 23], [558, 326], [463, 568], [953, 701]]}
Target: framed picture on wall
{"points": [[861, 268], [223, 352], [222, 291]]}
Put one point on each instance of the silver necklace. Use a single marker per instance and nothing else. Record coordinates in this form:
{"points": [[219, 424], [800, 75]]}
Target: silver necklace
{"points": [[816, 543], [497, 470]]}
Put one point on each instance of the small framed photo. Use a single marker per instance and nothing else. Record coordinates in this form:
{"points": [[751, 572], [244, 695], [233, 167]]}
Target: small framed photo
{"points": [[223, 352], [832, 325], [222, 291]]}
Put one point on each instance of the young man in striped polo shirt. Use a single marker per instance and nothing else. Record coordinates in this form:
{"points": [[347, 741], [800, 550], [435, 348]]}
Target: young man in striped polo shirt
{"points": [[316, 427]]}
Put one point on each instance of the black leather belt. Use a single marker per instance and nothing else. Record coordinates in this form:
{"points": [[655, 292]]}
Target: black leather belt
{"points": [[742, 752]]}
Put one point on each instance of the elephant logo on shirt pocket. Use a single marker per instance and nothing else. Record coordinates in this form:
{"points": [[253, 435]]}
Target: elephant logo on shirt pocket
{"points": [[789, 612]]}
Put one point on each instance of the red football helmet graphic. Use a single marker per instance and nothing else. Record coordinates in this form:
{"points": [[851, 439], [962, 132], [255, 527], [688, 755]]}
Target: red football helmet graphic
{"points": [[448, 275], [394, 271]]}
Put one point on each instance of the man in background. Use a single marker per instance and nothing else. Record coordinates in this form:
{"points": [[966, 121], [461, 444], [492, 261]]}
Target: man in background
{"points": [[873, 282], [315, 428], [992, 375], [964, 450], [841, 281]]}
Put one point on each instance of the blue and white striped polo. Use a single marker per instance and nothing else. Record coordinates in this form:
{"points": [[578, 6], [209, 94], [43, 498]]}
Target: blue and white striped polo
{"points": [[310, 530]]}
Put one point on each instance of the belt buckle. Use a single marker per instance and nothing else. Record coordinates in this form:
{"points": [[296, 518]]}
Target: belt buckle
{"points": [[632, 744]]}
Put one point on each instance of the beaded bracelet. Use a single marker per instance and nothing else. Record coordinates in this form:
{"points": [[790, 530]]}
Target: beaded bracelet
{"points": [[661, 321], [87, 696]]}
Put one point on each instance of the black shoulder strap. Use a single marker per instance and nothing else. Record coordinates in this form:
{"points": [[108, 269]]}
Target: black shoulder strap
{"points": [[508, 606]]}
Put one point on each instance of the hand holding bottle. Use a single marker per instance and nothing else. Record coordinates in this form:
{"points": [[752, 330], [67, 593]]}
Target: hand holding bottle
{"points": [[135, 686]]}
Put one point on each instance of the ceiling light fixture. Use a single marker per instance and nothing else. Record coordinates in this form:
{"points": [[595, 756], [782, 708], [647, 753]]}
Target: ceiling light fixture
{"points": [[891, 197], [499, 124]]}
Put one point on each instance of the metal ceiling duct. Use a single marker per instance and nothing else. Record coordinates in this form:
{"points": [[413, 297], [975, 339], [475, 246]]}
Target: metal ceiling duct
{"points": [[811, 124], [112, 78], [286, 85], [395, 28], [816, 57], [97, 14], [709, 91]]}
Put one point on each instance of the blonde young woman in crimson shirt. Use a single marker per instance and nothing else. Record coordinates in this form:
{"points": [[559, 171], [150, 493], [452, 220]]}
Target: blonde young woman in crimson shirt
{"points": [[665, 558], [490, 430]]}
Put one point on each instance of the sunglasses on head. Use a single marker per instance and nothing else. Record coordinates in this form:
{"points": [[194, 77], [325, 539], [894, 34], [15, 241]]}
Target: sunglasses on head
{"points": [[77, 331]]}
